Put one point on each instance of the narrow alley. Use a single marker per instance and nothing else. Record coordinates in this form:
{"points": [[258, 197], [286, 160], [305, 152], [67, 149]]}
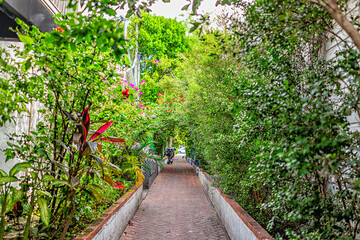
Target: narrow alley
{"points": [[176, 207]]}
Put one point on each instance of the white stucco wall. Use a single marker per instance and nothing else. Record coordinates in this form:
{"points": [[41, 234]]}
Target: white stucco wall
{"points": [[233, 224], [23, 123], [115, 226]]}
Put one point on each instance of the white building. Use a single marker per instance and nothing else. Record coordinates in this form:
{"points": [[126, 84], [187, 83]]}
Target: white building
{"points": [[33, 12]]}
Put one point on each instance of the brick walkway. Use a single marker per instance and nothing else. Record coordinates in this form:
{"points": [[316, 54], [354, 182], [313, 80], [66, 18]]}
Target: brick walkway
{"points": [[176, 207]]}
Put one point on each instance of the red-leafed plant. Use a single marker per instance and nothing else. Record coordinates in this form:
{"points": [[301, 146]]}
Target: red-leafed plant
{"points": [[84, 164]]}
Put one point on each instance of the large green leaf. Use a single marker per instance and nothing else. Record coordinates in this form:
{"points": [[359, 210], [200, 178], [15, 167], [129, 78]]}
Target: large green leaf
{"points": [[44, 211], [48, 178], [60, 182], [9, 206], [3, 173], [19, 167], [7, 179], [33, 175], [25, 39], [43, 193], [15, 196]]}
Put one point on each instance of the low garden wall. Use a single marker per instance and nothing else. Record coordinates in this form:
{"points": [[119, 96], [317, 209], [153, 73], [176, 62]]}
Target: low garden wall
{"points": [[115, 219], [237, 222]]}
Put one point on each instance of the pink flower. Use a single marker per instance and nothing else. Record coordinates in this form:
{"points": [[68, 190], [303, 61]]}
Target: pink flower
{"points": [[136, 88], [141, 106], [140, 93], [183, 100], [142, 81], [132, 85]]}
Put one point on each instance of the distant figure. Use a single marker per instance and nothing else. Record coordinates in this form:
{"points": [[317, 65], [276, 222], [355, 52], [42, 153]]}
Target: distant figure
{"points": [[169, 155]]}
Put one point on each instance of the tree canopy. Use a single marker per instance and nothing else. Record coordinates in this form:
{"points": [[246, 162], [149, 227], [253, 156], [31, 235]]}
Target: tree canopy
{"points": [[159, 36]]}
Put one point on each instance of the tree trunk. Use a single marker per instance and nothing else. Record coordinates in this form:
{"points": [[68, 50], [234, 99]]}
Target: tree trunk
{"points": [[28, 220], [3, 211], [333, 9], [68, 220]]}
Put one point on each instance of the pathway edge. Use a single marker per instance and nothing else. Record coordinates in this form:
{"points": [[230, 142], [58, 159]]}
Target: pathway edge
{"points": [[117, 216], [237, 222]]}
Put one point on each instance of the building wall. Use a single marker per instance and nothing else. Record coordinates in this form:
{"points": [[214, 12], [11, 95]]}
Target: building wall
{"points": [[23, 123], [26, 121]]}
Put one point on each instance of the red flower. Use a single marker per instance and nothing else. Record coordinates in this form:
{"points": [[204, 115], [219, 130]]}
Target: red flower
{"points": [[183, 100], [170, 110], [59, 29], [119, 185], [126, 93]]}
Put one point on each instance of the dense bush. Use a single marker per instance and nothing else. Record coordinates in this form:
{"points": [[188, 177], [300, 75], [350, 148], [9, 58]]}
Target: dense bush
{"points": [[69, 162], [268, 115]]}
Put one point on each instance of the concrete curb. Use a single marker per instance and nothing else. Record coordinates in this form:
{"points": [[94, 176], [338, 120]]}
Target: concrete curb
{"points": [[115, 219], [237, 222]]}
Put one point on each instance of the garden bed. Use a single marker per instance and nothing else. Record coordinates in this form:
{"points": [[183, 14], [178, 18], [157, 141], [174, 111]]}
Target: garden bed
{"points": [[114, 220], [237, 222]]}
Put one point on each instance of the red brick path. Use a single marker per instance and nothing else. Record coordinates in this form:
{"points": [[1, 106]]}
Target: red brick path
{"points": [[176, 207]]}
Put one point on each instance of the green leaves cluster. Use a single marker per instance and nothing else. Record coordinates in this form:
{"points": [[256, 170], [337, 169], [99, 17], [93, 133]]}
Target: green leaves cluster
{"points": [[159, 36], [75, 66], [268, 115]]}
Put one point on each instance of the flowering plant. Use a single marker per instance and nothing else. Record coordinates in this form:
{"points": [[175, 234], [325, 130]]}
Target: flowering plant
{"points": [[119, 185]]}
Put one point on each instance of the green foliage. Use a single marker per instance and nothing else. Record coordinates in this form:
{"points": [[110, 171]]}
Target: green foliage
{"points": [[159, 37], [260, 109], [67, 158], [268, 115], [213, 116], [12, 98], [160, 40], [309, 142]]}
